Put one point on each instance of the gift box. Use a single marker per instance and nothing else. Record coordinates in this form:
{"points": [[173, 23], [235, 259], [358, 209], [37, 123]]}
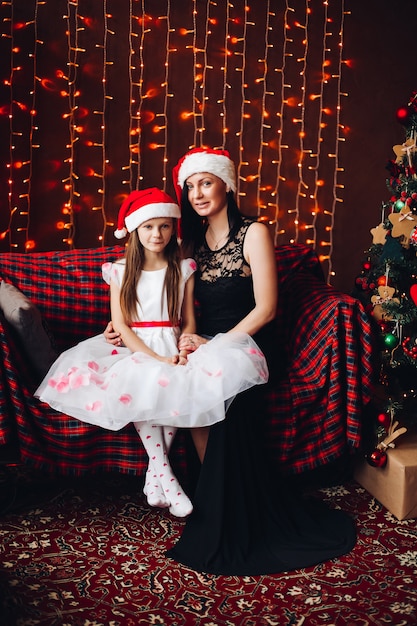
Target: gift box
{"points": [[395, 485]]}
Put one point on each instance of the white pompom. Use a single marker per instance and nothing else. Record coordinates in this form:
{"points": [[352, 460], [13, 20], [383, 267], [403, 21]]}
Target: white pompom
{"points": [[120, 233]]}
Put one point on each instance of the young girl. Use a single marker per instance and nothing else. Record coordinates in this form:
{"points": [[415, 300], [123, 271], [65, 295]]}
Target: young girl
{"points": [[146, 380]]}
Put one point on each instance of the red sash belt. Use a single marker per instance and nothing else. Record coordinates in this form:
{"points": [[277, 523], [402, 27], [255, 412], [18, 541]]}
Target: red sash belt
{"points": [[152, 324]]}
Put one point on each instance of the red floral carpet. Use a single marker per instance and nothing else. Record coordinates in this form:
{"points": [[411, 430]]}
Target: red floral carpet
{"points": [[89, 552]]}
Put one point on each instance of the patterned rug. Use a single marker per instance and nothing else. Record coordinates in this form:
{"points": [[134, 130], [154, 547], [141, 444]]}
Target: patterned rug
{"points": [[90, 552]]}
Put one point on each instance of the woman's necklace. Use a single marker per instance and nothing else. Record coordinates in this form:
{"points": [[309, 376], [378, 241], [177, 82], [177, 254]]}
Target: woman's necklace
{"points": [[218, 241]]}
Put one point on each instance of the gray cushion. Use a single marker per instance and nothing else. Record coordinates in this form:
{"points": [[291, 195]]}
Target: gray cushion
{"points": [[25, 318]]}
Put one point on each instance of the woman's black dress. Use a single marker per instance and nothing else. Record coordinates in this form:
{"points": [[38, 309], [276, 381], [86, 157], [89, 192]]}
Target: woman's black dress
{"points": [[245, 521]]}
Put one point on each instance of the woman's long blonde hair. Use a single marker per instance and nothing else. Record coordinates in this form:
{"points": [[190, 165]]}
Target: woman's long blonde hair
{"points": [[135, 259]]}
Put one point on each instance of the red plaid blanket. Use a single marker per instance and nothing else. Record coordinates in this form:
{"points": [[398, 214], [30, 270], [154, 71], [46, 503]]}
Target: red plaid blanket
{"points": [[315, 402]]}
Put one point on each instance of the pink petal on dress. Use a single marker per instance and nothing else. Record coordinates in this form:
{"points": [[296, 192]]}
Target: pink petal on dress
{"points": [[93, 366], [60, 383], [255, 351], [79, 380], [97, 380], [125, 398], [94, 406], [62, 386], [215, 374], [163, 381]]}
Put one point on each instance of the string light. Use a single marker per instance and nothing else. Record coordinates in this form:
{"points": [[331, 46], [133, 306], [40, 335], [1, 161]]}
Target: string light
{"points": [[243, 116], [199, 79], [21, 113], [224, 68], [263, 81], [167, 95], [275, 103], [136, 80], [69, 182], [338, 139], [103, 117]]}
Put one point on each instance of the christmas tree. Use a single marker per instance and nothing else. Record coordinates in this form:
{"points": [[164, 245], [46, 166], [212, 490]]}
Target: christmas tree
{"points": [[387, 285]]}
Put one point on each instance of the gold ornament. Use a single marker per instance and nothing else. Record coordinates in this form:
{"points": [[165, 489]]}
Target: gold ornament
{"points": [[379, 234], [405, 150], [403, 223], [385, 294]]}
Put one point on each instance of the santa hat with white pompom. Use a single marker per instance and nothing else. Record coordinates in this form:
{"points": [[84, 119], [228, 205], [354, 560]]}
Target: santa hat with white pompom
{"points": [[213, 161], [141, 206]]}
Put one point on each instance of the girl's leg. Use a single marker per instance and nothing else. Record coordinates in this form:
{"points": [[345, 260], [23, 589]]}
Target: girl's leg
{"points": [[152, 488], [154, 442]]}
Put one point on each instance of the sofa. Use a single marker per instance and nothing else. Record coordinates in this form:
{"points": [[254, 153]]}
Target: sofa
{"points": [[316, 398]]}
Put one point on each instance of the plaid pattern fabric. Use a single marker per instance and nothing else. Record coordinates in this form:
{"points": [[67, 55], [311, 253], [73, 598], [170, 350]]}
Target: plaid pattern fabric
{"points": [[315, 408], [314, 402]]}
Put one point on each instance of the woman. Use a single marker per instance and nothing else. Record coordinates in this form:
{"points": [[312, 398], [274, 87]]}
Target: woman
{"points": [[244, 521]]}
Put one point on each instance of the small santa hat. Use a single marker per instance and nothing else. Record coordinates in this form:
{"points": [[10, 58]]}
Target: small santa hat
{"points": [[141, 206], [217, 162]]}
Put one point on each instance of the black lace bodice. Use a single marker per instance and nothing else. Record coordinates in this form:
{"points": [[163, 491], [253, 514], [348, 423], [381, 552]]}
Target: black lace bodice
{"points": [[223, 287]]}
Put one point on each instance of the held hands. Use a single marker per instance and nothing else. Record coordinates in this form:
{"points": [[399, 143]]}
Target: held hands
{"points": [[182, 357], [177, 359], [112, 337], [187, 343], [190, 342], [172, 360]]}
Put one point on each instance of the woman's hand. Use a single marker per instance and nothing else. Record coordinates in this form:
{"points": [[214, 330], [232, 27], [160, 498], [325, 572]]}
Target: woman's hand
{"points": [[190, 342], [111, 336]]}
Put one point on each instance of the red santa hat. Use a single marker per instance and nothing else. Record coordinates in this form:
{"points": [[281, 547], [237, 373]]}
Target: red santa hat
{"points": [[217, 162], [141, 206]]}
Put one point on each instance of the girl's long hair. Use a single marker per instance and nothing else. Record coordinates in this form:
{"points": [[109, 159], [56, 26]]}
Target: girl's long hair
{"points": [[193, 227], [135, 259]]}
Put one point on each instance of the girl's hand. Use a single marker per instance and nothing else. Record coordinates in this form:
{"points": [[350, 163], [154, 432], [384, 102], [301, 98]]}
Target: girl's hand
{"points": [[111, 336], [190, 342], [172, 360], [183, 357]]}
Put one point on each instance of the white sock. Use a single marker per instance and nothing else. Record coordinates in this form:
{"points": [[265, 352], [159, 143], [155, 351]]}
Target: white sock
{"points": [[152, 487], [153, 440]]}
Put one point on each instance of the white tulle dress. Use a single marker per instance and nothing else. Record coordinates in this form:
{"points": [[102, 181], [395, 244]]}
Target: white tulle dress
{"points": [[110, 386]]}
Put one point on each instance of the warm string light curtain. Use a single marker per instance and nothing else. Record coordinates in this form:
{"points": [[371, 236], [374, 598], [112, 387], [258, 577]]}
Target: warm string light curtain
{"points": [[98, 99]]}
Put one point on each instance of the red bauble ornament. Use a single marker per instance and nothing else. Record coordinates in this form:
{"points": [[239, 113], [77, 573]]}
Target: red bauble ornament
{"points": [[403, 115], [377, 458], [384, 419], [366, 265], [382, 281], [413, 293]]}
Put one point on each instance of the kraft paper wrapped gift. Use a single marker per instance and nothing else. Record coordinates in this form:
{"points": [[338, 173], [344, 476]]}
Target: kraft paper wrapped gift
{"points": [[395, 485]]}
